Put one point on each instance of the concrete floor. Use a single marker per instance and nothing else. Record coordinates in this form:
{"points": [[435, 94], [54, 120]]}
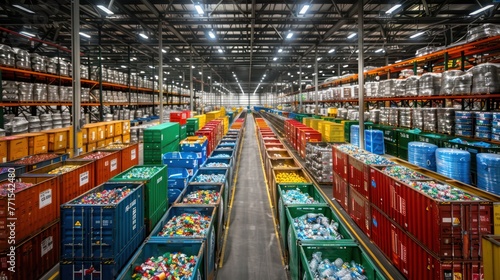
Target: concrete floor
{"points": [[252, 248]]}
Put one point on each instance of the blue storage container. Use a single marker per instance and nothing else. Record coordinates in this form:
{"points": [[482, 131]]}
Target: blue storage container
{"points": [[101, 269], [173, 194], [102, 231], [177, 178], [199, 149], [223, 153], [155, 249], [209, 250], [211, 175], [6, 168], [23, 168], [188, 160], [230, 169]]}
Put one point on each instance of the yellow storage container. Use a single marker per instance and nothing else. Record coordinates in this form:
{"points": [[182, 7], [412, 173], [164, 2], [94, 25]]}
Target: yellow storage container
{"points": [[202, 120], [117, 139], [314, 123], [225, 121], [110, 129], [79, 140], [102, 143], [125, 127], [126, 138], [58, 139], [213, 115], [332, 112], [91, 147], [491, 251], [4, 155], [307, 121], [17, 147], [333, 132]]}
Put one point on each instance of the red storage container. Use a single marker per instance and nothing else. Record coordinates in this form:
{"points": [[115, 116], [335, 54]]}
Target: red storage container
{"points": [[107, 165], [33, 208], [412, 260], [33, 257], [71, 184], [129, 154], [341, 191], [380, 189], [340, 162], [359, 176], [179, 116], [309, 135], [359, 210], [453, 229]]}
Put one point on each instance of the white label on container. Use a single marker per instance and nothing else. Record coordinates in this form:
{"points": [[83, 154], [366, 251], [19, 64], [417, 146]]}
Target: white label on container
{"points": [[43, 148], [60, 138], [447, 220], [84, 178], [198, 155], [45, 198], [93, 135], [159, 180], [133, 154], [47, 245], [114, 164], [4, 159], [111, 128], [102, 134]]}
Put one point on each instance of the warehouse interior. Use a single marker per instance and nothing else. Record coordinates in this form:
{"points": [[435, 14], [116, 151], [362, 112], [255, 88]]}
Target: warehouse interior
{"points": [[255, 103]]}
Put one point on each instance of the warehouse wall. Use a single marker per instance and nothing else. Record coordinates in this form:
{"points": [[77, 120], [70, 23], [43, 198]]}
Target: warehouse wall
{"points": [[236, 99]]}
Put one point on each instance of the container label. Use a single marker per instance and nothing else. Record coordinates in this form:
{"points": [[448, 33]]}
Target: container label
{"points": [[45, 198], [111, 128], [84, 178], [4, 159], [159, 180], [198, 155], [114, 164], [60, 138], [93, 135], [133, 154], [47, 245], [102, 134]]}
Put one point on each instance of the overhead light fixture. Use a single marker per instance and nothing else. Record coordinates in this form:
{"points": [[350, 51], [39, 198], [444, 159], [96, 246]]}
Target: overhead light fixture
{"points": [[351, 35], [345, 66], [480, 10], [319, 58], [23, 8], [199, 9], [417, 34], [199, 73], [309, 66], [211, 34], [275, 58], [220, 50], [84, 35], [143, 35], [177, 59], [142, 72], [180, 77], [397, 61], [106, 10], [27, 34], [331, 50], [151, 66], [379, 50], [289, 35], [123, 66], [395, 7], [163, 51], [280, 50], [192, 66], [304, 9]]}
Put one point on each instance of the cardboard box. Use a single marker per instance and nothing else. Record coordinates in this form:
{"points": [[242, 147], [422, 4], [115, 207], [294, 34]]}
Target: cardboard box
{"points": [[110, 129], [117, 139], [126, 127], [126, 138], [4, 155], [58, 139], [85, 136], [38, 143], [79, 139], [17, 147], [101, 144], [118, 128], [91, 147], [101, 132]]}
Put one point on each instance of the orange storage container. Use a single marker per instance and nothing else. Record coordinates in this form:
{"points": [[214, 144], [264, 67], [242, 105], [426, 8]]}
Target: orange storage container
{"points": [[4, 156], [129, 154], [33, 208], [17, 147]]}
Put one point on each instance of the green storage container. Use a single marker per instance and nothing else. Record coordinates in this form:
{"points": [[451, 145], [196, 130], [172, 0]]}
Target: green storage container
{"points": [[403, 153], [293, 241], [433, 138], [154, 155], [182, 131], [163, 133], [390, 134], [391, 149], [405, 136], [310, 189], [349, 251], [155, 191]]}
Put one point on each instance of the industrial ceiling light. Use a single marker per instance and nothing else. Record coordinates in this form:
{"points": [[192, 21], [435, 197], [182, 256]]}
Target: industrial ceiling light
{"points": [[84, 35], [27, 34], [481, 10], [289, 35], [319, 58], [345, 66], [23, 8], [143, 35], [177, 59], [304, 9], [199, 9], [220, 50], [163, 50], [211, 34], [331, 50], [123, 66], [106, 10], [379, 50], [417, 34], [280, 50], [351, 35], [275, 58], [398, 61], [395, 7]]}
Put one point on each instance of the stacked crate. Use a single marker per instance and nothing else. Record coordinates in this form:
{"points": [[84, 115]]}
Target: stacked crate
{"points": [[202, 120], [181, 118], [333, 132], [192, 126], [212, 115], [159, 140], [197, 145], [101, 230]]}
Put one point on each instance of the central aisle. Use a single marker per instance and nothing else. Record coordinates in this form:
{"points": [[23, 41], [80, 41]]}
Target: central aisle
{"points": [[252, 249]]}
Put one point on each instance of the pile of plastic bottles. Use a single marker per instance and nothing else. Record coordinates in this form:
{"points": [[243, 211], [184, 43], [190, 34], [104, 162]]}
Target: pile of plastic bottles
{"points": [[202, 197], [297, 197], [338, 270], [169, 266], [113, 196], [193, 225], [316, 226]]}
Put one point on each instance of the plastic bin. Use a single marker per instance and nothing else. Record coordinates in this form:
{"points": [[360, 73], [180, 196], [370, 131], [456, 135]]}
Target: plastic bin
{"points": [[188, 160], [177, 178], [155, 193], [105, 167]]}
